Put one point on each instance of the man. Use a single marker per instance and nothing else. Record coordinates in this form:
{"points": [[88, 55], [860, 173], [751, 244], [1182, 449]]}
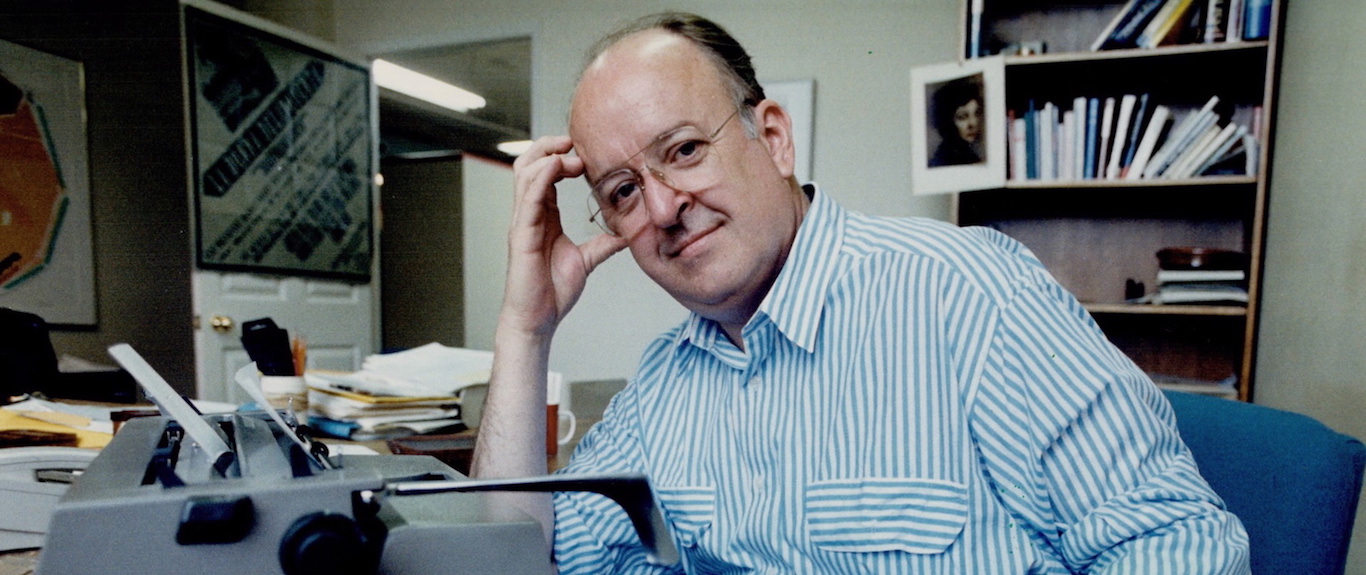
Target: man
{"points": [[849, 393]]}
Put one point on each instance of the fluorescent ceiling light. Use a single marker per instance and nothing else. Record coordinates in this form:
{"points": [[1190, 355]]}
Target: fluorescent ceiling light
{"points": [[404, 81], [515, 148]]}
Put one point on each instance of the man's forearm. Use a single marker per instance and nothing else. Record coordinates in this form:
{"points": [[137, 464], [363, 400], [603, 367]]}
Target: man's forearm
{"points": [[512, 429]]}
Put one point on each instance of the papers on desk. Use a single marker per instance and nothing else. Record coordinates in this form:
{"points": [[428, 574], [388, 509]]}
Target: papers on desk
{"points": [[405, 393], [93, 426], [396, 394], [365, 405], [439, 369]]}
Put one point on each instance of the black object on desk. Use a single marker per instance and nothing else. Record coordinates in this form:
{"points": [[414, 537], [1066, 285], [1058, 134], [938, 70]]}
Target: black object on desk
{"points": [[268, 346], [28, 364]]}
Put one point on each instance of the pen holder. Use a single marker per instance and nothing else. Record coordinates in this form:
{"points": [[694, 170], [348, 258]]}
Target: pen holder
{"points": [[285, 392]]}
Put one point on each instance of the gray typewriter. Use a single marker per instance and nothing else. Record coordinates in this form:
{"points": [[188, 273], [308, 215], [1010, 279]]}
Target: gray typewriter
{"points": [[249, 493]]}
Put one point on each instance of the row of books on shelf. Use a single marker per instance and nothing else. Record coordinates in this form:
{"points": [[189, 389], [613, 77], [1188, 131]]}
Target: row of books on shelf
{"points": [[1127, 138], [1153, 23]]}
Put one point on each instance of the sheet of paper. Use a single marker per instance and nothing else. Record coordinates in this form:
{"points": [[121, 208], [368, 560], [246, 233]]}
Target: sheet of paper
{"points": [[171, 403]]}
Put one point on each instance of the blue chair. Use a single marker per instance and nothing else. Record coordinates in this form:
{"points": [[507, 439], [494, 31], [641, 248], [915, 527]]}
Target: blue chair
{"points": [[1293, 481]]}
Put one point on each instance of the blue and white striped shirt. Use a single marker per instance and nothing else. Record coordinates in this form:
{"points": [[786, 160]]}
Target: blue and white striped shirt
{"points": [[914, 398]]}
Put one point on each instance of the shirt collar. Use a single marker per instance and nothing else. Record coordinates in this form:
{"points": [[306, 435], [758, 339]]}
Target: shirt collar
{"points": [[797, 299]]}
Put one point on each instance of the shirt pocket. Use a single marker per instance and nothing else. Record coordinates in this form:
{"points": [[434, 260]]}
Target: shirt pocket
{"points": [[689, 510], [885, 514]]}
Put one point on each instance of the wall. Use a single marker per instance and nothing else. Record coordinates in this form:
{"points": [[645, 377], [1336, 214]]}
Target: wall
{"points": [[139, 204], [486, 186], [858, 52], [420, 255], [1311, 357]]}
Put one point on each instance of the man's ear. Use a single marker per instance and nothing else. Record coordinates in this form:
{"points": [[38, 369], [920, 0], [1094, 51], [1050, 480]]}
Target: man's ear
{"points": [[775, 129]]}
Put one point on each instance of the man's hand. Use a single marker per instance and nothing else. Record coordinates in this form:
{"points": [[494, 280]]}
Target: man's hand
{"points": [[547, 271]]}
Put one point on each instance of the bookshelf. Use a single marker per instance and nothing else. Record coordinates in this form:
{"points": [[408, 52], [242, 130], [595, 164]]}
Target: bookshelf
{"points": [[1099, 235]]}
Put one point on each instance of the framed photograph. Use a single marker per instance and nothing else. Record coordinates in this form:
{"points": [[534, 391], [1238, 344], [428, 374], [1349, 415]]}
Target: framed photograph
{"points": [[282, 146], [46, 255], [958, 126]]}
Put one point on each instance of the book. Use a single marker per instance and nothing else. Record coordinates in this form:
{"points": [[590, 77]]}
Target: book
{"points": [[1219, 149], [1216, 21], [1254, 155], [1256, 19], [1191, 29], [1031, 143], [1107, 120], [1181, 134], [1234, 30], [1125, 11], [1226, 387], [1152, 135], [1193, 152], [1172, 12], [1200, 293], [975, 30], [1140, 119], [1078, 149], [1047, 152], [1017, 152], [1124, 28], [1204, 131], [1066, 143], [1092, 139], [1199, 275], [1122, 120]]}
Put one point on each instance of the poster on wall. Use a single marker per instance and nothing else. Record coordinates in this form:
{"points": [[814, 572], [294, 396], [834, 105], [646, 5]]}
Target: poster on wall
{"points": [[46, 256], [282, 149]]}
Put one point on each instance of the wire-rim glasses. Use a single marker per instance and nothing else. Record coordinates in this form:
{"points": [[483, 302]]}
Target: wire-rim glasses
{"points": [[681, 159]]}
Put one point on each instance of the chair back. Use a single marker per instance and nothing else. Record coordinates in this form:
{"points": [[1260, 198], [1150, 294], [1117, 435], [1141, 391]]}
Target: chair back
{"points": [[1292, 481], [27, 360]]}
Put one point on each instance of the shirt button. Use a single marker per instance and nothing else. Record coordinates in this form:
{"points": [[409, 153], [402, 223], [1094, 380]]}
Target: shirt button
{"points": [[755, 380], [758, 483]]}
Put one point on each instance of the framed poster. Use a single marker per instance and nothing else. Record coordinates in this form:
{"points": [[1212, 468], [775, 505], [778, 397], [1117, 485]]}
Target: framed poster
{"points": [[46, 255], [958, 132], [282, 148]]}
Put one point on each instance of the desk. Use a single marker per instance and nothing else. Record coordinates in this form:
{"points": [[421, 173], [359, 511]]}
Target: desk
{"points": [[19, 562]]}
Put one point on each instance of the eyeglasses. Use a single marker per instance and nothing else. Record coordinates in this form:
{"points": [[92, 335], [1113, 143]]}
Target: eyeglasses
{"points": [[681, 159]]}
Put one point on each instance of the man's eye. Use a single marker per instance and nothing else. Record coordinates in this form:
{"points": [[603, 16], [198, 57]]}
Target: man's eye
{"points": [[623, 191], [687, 153]]}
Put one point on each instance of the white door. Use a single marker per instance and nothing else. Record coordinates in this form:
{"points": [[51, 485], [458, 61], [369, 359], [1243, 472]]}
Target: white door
{"points": [[336, 318]]}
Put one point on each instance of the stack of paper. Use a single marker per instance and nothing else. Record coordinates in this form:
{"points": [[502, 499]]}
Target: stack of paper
{"points": [[1202, 286], [366, 405], [438, 369], [405, 393]]}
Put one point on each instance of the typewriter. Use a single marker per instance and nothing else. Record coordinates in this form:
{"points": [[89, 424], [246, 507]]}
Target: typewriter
{"points": [[250, 492]]}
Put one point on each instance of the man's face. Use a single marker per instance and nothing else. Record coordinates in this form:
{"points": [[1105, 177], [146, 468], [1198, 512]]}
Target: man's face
{"points": [[717, 249]]}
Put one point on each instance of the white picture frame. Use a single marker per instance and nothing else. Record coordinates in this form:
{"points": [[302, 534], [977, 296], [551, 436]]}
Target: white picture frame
{"points": [[941, 161], [56, 281], [798, 97]]}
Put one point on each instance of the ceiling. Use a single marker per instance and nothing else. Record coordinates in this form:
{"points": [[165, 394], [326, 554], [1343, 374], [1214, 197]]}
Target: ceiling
{"points": [[500, 71]]}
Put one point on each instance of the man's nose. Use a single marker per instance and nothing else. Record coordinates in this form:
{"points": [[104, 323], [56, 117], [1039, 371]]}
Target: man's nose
{"points": [[664, 203]]}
